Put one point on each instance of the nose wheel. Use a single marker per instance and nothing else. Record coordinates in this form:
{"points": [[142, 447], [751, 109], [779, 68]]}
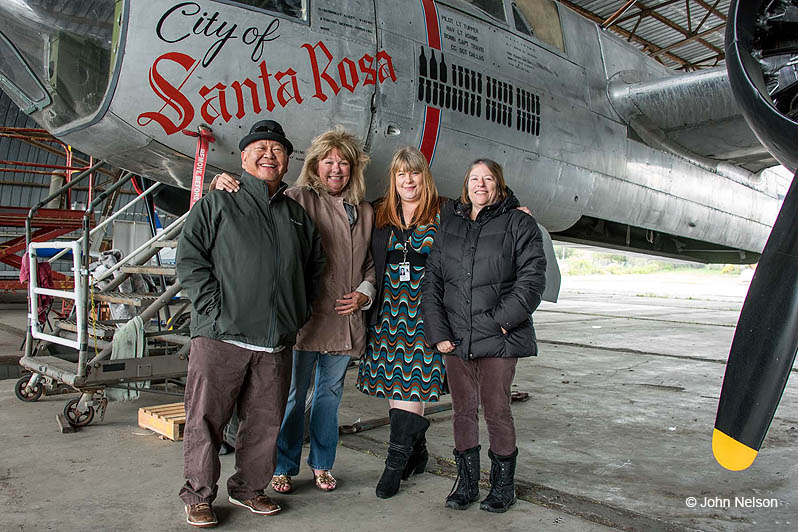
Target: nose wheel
{"points": [[75, 416]]}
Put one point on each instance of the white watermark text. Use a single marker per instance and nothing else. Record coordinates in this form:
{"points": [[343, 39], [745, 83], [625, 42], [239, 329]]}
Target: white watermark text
{"points": [[731, 502]]}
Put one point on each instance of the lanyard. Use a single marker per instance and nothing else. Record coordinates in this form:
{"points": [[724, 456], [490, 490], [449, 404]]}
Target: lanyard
{"points": [[405, 234]]}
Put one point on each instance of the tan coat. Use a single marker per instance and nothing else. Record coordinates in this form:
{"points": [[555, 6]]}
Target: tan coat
{"points": [[349, 263]]}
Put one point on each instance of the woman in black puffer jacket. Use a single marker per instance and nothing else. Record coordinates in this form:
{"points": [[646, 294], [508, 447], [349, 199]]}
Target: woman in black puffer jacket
{"points": [[484, 278]]}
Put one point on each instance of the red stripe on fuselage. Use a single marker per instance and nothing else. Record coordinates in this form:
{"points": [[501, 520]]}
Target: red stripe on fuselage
{"points": [[432, 115], [431, 18], [429, 139]]}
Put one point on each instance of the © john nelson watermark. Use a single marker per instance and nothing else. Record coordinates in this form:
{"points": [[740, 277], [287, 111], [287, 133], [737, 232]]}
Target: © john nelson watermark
{"points": [[731, 502]]}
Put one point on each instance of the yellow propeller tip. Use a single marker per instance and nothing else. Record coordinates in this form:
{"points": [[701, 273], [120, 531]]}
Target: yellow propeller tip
{"points": [[730, 453]]}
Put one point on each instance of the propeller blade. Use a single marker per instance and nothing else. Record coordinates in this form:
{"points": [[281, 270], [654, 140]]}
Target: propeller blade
{"points": [[764, 346]]}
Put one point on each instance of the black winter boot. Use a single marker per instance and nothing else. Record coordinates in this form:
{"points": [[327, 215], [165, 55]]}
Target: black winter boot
{"points": [[417, 463], [406, 428], [502, 483], [466, 485]]}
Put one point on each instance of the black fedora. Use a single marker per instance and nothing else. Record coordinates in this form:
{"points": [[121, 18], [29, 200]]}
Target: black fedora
{"points": [[266, 130]]}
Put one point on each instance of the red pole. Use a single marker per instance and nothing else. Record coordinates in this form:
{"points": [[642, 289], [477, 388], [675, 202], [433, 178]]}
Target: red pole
{"points": [[42, 165], [91, 182], [204, 137]]}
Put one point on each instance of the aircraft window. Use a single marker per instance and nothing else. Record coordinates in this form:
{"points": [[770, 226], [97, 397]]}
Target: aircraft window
{"points": [[292, 8], [494, 8], [18, 81], [539, 18], [78, 72], [520, 22], [68, 49]]}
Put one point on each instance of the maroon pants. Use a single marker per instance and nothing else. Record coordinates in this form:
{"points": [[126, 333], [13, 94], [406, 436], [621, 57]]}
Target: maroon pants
{"points": [[485, 380], [220, 377]]}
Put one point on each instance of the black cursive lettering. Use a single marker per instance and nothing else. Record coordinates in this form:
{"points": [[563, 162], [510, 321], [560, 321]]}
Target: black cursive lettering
{"points": [[266, 36], [166, 15]]}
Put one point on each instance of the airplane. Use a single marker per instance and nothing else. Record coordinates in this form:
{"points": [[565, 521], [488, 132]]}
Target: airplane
{"points": [[605, 145]]}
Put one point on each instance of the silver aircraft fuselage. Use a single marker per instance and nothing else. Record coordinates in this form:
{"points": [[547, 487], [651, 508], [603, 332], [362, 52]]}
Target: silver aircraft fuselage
{"points": [[122, 80]]}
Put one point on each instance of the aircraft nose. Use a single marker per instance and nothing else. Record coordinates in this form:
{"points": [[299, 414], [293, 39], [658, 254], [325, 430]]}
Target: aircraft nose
{"points": [[56, 57]]}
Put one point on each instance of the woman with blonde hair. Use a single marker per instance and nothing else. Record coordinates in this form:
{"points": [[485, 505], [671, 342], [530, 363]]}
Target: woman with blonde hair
{"points": [[330, 188], [399, 364]]}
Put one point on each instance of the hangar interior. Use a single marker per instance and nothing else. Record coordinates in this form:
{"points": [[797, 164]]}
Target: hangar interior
{"points": [[682, 35], [63, 211]]}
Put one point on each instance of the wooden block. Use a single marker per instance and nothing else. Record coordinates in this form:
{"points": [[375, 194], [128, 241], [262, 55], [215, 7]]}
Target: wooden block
{"points": [[167, 420], [63, 425]]}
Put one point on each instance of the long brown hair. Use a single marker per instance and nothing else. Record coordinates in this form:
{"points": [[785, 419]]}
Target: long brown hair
{"points": [[497, 172], [350, 149], [408, 159]]}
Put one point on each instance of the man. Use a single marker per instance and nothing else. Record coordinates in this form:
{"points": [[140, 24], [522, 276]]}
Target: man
{"points": [[251, 264]]}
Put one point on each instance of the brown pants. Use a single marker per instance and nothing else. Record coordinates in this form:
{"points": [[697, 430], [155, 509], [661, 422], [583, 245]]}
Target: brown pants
{"points": [[487, 380], [220, 377]]}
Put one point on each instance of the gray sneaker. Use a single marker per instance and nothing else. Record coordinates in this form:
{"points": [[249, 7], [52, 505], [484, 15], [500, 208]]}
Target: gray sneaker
{"points": [[201, 515]]}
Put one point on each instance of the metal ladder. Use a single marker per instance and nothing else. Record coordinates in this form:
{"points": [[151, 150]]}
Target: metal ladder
{"points": [[94, 370]]}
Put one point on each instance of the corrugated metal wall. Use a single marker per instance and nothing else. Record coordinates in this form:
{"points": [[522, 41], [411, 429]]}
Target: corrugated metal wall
{"points": [[661, 34], [20, 188], [13, 190]]}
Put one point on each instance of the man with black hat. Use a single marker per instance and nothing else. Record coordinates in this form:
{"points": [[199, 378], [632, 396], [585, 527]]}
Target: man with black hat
{"points": [[250, 263]]}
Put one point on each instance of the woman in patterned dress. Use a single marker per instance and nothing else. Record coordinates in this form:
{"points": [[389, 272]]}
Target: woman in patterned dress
{"points": [[398, 363]]}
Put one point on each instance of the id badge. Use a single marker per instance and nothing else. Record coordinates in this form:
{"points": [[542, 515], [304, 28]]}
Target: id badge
{"points": [[404, 271]]}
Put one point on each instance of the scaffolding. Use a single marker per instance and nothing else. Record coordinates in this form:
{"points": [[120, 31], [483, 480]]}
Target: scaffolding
{"points": [[101, 364]]}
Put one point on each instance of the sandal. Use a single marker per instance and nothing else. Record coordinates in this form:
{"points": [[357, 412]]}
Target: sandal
{"points": [[325, 479], [282, 484]]}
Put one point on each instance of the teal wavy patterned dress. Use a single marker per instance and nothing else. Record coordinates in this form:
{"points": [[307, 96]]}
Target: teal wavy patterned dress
{"points": [[398, 363]]}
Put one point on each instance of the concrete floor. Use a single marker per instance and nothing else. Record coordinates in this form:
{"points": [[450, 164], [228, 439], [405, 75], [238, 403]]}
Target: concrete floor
{"points": [[616, 432]]}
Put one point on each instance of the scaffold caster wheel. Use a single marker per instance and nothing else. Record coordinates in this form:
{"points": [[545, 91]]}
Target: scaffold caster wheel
{"points": [[75, 417], [28, 396]]}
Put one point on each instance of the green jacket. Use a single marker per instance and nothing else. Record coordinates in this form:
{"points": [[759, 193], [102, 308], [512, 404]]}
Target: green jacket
{"points": [[250, 264]]}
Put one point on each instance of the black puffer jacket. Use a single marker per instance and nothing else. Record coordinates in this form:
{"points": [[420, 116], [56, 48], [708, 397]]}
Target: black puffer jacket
{"points": [[483, 275]]}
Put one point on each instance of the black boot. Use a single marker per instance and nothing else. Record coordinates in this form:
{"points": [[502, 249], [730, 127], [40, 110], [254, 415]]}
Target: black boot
{"points": [[502, 483], [406, 427], [417, 463], [466, 485]]}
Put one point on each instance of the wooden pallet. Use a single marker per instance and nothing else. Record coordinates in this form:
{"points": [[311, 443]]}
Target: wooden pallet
{"points": [[167, 420]]}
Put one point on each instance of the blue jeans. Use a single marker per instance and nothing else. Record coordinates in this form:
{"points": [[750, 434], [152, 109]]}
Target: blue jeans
{"points": [[330, 373]]}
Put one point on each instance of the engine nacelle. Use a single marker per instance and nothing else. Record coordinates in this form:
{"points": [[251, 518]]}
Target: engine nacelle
{"points": [[762, 61]]}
